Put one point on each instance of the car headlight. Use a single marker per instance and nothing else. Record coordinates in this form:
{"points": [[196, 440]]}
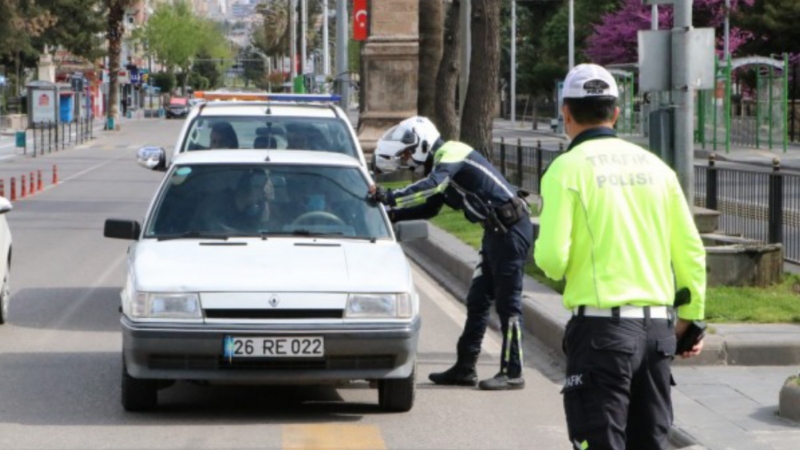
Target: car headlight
{"points": [[166, 306], [379, 306]]}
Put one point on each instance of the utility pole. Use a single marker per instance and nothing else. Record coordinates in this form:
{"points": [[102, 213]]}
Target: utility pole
{"points": [[571, 32], [326, 58], [342, 73], [727, 50], [303, 43], [514, 63], [293, 39], [683, 97]]}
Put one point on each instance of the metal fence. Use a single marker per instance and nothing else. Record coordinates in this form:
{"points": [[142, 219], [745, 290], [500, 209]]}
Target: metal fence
{"points": [[48, 137], [753, 204]]}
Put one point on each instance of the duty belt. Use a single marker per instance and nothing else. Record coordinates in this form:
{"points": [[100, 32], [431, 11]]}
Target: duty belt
{"points": [[624, 312], [503, 217]]}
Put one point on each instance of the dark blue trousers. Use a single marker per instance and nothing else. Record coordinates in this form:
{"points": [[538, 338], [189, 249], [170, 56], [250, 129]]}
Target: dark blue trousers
{"points": [[498, 278]]}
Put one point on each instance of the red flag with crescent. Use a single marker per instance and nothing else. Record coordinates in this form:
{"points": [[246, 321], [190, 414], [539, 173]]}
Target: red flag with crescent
{"points": [[360, 28]]}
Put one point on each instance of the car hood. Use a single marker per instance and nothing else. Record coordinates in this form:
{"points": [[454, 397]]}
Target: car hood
{"points": [[274, 265]]}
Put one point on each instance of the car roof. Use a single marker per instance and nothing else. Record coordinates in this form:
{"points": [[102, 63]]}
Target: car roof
{"points": [[256, 108], [319, 158]]}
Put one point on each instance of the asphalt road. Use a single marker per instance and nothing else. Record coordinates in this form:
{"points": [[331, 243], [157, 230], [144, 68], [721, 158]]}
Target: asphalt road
{"points": [[60, 353]]}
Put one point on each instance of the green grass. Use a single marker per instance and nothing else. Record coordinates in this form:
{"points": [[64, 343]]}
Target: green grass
{"points": [[777, 303], [774, 304]]}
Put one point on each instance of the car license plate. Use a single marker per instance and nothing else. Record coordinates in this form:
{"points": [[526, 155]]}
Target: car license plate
{"points": [[274, 347]]}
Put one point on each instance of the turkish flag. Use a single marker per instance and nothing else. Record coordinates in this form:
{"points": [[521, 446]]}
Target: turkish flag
{"points": [[360, 29]]}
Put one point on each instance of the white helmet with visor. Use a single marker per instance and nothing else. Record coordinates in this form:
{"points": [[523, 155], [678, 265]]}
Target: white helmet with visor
{"points": [[407, 145]]}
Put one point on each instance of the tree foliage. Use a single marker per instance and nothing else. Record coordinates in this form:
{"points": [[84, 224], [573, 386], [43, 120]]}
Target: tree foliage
{"points": [[177, 38], [774, 25], [615, 37]]}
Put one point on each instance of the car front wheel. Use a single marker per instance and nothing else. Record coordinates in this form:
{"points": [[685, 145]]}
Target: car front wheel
{"points": [[398, 395], [5, 296], [137, 394]]}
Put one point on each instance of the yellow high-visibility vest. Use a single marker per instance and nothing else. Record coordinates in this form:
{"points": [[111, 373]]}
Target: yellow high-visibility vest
{"points": [[615, 223]]}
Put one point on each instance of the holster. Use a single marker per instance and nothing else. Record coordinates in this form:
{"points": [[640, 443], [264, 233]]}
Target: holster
{"points": [[512, 211]]}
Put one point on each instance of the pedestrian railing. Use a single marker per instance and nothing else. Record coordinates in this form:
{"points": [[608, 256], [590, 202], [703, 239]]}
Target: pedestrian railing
{"points": [[48, 137], [755, 204]]}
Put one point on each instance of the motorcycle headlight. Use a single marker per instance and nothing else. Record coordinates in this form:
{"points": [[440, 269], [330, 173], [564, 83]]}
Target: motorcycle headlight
{"points": [[166, 306], [378, 306]]}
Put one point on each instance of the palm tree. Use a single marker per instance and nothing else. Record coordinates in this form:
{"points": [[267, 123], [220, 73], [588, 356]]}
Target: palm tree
{"points": [[114, 33]]}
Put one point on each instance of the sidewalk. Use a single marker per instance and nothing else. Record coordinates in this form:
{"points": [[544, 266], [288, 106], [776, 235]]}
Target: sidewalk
{"points": [[721, 401]]}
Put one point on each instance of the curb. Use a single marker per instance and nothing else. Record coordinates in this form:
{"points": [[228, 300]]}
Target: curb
{"points": [[451, 263]]}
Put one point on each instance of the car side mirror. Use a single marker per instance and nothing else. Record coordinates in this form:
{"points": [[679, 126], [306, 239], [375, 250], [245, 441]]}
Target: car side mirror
{"points": [[411, 231], [153, 158], [5, 205], [122, 229]]}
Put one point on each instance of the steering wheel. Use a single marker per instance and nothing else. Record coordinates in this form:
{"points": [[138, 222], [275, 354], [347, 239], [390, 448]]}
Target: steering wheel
{"points": [[317, 216]]}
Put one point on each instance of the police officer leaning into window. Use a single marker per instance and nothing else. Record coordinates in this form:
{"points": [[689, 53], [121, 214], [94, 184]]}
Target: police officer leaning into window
{"points": [[463, 179], [615, 223]]}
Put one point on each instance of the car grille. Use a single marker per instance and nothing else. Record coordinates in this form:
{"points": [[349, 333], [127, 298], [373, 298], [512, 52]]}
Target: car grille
{"points": [[274, 313], [195, 362]]}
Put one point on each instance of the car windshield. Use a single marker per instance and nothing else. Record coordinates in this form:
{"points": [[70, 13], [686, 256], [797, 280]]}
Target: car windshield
{"points": [[293, 133], [225, 200]]}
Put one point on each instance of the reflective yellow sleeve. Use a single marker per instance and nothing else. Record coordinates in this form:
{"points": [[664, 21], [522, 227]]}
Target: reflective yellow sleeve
{"points": [[688, 254], [551, 251]]}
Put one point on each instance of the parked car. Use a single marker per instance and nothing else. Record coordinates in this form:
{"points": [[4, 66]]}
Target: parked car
{"points": [[296, 122], [5, 260], [177, 107], [267, 267]]}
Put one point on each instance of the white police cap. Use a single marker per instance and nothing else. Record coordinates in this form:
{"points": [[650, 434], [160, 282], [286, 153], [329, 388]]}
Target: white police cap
{"points": [[589, 80]]}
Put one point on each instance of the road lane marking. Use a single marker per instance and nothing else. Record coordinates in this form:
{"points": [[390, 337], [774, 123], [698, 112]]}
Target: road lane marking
{"points": [[332, 437], [491, 344]]}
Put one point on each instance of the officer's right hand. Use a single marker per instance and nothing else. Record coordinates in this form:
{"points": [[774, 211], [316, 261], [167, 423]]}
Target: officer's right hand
{"points": [[378, 194]]}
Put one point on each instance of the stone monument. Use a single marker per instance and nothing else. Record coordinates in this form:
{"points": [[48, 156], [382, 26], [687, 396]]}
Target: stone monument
{"points": [[46, 67], [389, 69]]}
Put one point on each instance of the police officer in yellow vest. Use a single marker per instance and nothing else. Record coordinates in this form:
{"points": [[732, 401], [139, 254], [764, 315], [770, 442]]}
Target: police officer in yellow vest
{"points": [[615, 223], [460, 177]]}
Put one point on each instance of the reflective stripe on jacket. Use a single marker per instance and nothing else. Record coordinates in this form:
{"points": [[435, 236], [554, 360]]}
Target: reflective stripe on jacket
{"points": [[461, 178], [615, 222]]}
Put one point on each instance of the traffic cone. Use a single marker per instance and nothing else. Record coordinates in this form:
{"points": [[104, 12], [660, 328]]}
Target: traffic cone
{"points": [[22, 187], [55, 174], [13, 189], [32, 184], [40, 184]]}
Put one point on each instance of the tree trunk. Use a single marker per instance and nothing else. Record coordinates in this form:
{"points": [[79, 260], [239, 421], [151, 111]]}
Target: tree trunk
{"points": [[431, 22], [481, 100], [116, 13], [445, 113]]}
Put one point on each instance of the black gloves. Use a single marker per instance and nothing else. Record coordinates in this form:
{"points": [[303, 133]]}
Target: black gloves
{"points": [[381, 195]]}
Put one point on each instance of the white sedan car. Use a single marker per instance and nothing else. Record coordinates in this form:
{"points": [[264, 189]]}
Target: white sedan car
{"points": [[5, 259], [267, 267]]}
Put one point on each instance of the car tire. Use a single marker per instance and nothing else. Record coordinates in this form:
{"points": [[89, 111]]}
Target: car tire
{"points": [[137, 394], [5, 297], [397, 395]]}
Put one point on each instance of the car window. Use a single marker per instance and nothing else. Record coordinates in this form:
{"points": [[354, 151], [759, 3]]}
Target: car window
{"points": [[265, 200], [293, 133]]}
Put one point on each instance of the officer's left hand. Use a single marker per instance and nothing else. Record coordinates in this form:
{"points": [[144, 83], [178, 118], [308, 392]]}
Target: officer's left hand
{"points": [[681, 328]]}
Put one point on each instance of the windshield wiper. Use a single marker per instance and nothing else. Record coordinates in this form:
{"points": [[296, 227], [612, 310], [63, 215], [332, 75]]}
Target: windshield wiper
{"points": [[194, 234]]}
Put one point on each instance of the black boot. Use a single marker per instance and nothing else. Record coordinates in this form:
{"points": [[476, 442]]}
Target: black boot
{"points": [[502, 382], [461, 374]]}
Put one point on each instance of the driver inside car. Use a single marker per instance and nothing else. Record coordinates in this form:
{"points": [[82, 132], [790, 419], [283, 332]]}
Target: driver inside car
{"points": [[242, 210]]}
